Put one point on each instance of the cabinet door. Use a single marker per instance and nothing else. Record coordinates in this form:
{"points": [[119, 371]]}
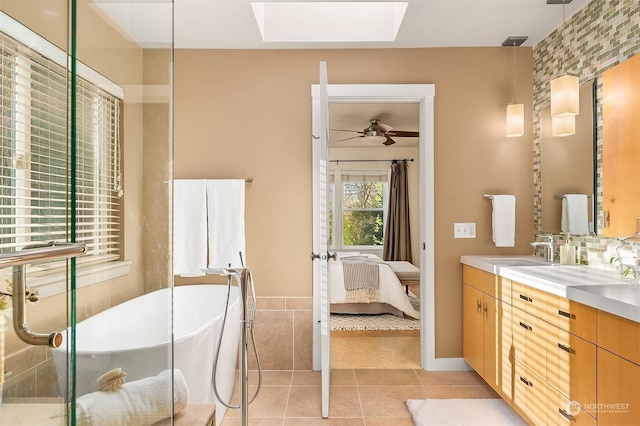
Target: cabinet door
{"points": [[562, 411], [529, 341], [472, 328], [618, 390], [498, 363], [571, 367], [530, 396]]}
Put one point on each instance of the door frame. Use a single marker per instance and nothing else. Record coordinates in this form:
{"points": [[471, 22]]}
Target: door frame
{"points": [[422, 94]]}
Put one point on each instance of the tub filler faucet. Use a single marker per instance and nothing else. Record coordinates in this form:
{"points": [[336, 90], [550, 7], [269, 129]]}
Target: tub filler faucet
{"points": [[548, 244]]}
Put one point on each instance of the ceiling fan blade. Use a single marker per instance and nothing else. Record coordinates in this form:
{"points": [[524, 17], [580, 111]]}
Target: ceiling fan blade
{"points": [[345, 130], [403, 133], [389, 141], [353, 137]]}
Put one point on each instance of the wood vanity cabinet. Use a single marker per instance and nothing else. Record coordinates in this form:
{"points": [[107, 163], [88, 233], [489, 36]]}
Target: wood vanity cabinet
{"points": [[618, 377], [487, 328]]}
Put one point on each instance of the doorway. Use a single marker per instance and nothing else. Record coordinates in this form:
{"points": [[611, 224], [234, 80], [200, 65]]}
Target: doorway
{"points": [[360, 194], [421, 94]]}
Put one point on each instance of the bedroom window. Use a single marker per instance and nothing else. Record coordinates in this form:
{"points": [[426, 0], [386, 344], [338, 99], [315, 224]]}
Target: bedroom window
{"points": [[358, 203], [34, 154]]}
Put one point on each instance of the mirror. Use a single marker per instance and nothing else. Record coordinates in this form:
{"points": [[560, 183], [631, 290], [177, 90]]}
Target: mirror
{"points": [[567, 163], [620, 148]]}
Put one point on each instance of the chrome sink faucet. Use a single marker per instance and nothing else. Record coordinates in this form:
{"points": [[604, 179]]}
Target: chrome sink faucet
{"points": [[548, 244]]}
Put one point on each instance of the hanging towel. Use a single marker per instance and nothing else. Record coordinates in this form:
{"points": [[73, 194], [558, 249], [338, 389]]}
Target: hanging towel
{"points": [[225, 211], [189, 226], [504, 220], [575, 214]]}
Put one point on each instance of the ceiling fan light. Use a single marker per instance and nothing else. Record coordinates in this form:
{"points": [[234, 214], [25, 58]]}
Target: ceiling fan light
{"points": [[565, 96], [563, 126], [374, 139], [515, 120]]}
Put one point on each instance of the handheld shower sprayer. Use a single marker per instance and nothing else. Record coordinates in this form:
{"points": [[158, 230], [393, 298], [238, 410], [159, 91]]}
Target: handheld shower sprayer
{"points": [[244, 279]]}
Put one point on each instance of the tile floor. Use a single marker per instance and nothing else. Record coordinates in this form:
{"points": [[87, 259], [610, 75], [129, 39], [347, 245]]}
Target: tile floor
{"points": [[367, 397]]}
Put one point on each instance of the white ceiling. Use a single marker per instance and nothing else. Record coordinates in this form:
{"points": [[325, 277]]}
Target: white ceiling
{"points": [[427, 23], [231, 24]]}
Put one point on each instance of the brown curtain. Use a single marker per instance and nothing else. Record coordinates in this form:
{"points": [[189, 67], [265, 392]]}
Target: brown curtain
{"points": [[397, 235]]}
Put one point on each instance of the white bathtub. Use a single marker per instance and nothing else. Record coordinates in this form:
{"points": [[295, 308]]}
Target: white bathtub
{"points": [[136, 336]]}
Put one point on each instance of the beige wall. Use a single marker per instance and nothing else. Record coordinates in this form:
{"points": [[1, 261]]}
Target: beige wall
{"points": [[247, 113], [113, 55]]}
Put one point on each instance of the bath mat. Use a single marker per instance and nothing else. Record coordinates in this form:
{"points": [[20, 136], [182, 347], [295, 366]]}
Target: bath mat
{"points": [[463, 412], [376, 322]]}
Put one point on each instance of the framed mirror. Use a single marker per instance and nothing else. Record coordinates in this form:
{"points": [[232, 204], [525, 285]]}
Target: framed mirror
{"points": [[568, 163]]}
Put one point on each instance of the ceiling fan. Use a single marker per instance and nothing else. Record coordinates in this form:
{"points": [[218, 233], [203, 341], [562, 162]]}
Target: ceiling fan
{"points": [[378, 132]]}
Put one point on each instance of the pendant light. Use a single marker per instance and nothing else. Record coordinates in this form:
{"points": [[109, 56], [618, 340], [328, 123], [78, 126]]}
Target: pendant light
{"points": [[565, 89], [515, 111], [563, 126]]}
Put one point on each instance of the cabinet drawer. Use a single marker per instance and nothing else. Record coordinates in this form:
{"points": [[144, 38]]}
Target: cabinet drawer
{"points": [[529, 299], [562, 412], [571, 367], [529, 396], [529, 341], [572, 316], [619, 335], [486, 282]]}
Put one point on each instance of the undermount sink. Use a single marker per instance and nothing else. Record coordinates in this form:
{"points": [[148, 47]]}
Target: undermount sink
{"points": [[494, 263], [517, 261]]}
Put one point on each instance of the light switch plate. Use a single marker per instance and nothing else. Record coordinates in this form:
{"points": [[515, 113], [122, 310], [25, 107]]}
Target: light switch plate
{"points": [[464, 230]]}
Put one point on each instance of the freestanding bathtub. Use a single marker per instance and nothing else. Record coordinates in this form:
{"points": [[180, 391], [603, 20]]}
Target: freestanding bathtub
{"points": [[136, 336]]}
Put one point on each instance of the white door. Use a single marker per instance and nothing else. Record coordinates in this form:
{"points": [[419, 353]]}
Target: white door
{"points": [[320, 253]]}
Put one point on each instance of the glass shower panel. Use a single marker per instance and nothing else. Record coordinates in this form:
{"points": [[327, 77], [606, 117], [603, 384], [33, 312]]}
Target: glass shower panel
{"points": [[34, 201], [123, 336]]}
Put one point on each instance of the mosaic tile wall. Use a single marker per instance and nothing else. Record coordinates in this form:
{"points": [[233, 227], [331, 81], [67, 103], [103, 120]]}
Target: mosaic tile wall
{"points": [[598, 37]]}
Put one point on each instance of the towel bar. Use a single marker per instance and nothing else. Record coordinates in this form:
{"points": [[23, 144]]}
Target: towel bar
{"points": [[490, 196], [561, 196]]}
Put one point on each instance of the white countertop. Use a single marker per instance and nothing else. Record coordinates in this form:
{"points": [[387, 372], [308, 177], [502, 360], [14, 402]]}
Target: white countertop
{"points": [[599, 288]]}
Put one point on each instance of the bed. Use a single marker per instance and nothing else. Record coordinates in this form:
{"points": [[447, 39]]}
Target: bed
{"points": [[390, 297]]}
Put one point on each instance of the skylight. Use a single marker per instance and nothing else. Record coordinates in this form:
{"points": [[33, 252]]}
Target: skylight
{"points": [[329, 21]]}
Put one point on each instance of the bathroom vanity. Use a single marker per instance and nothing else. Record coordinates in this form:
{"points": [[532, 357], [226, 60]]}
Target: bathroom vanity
{"points": [[561, 344]]}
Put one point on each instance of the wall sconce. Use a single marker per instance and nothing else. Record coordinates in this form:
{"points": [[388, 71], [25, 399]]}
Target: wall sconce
{"points": [[565, 89], [563, 126], [515, 111]]}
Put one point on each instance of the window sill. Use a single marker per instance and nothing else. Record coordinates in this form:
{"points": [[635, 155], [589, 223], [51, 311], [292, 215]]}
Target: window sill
{"points": [[55, 282]]}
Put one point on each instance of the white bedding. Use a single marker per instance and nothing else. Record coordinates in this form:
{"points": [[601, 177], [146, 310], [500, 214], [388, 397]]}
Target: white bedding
{"points": [[391, 290]]}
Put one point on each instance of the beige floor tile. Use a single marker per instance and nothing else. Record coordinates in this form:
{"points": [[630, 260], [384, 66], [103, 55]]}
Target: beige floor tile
{"points": [[270, 377], [323, 422], [270, 402], [235, 421], [345, 402], [450, 377], [388, 422], [387, 377], [375, 351], [306, 378], [343, 377], [388, 401], [460, 391], [304, 401]]}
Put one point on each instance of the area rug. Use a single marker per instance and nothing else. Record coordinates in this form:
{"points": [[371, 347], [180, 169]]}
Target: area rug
{"points": [[350, 322], [463, 412]]}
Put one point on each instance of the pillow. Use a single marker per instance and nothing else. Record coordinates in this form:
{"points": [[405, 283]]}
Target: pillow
{"points": [[342, 254]]}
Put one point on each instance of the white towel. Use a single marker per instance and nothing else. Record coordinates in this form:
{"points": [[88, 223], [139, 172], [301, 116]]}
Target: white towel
{"points": [[575, 214], [504, 220], [139, 403], [225, 210], [189, 226]]}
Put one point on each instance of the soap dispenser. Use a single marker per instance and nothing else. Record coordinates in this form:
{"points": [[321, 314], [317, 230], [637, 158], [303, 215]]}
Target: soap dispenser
{"points": [[629, 256], [567, 252]]}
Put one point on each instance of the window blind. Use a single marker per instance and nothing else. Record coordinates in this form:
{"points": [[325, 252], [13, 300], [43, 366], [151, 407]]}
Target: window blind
{"points": [[34, 156]]}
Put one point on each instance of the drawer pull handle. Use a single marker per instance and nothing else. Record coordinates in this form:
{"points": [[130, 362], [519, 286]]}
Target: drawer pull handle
{"points": [[565, 348], [526, 298], [478, 306], [566, 314], [525, 381], [485, 310], [527, 326], [565, 414]]}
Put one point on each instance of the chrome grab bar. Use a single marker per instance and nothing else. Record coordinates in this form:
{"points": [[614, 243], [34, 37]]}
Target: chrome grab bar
{"points": [[18, 260]]}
